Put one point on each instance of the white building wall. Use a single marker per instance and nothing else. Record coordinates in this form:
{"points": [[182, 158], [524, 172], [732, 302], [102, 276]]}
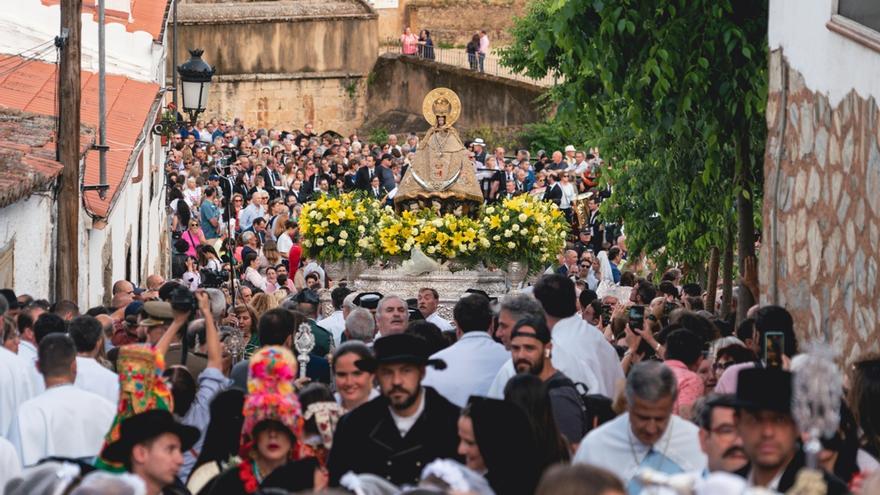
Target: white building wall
{"points": [[830, 63], [30, 223], [30, 23]]}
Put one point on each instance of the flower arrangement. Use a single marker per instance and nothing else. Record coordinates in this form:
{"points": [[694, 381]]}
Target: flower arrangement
{"points": [[523, 229], [441, 237], [337, 228], [355, 227]]}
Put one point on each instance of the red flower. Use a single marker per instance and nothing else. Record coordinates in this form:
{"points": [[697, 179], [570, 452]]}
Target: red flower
{"points": [[246, 475]]}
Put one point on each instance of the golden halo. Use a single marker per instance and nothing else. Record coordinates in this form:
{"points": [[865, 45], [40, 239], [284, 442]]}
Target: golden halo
{"points": [[435, 95]]}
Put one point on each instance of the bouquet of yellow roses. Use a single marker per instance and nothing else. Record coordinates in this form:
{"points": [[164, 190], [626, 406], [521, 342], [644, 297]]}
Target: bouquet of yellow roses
{"points": [[440, 237], [524, 229], [343, 227]]}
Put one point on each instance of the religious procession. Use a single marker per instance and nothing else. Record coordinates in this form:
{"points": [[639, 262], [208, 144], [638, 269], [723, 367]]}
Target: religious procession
{"points": [[665, 284]]}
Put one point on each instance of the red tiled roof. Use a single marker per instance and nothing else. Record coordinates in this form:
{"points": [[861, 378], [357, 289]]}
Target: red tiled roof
{"points": [[129, 103], [27, 157], [146, 15]]}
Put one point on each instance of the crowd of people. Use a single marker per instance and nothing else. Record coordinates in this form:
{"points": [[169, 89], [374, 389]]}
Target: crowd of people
{"points": [[205, 383]]}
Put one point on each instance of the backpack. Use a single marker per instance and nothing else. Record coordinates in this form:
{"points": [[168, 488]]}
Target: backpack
{"points": [[596, 408]]}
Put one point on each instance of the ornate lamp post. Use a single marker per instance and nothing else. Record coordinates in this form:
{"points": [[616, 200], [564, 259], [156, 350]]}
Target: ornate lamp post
{"points": [[195, 78]]}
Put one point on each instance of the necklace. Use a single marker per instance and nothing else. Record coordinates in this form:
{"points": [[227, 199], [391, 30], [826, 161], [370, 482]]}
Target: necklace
{"points": [[632, 449], [440, 144]]}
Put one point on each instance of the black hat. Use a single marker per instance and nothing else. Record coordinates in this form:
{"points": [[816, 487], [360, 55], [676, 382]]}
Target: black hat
{"points": [[146, 426], [400, 348], [764, 389], [368, 300], [386, 156], [307, 296], [11, 298]]}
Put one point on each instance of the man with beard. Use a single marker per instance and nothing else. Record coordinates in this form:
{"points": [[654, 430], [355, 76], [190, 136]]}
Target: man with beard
{"points": [[398, 433], [531, 350], [719, 438]]}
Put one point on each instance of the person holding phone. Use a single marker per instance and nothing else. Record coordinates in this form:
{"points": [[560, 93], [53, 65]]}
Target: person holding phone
{"points": [[777, 343]]}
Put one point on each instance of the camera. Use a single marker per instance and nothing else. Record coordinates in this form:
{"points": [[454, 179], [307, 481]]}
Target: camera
{"points": [[213, 278], [183, 300]]}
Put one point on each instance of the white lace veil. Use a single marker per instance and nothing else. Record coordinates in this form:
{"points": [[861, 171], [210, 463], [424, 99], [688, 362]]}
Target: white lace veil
{"points": [[604, 267]]}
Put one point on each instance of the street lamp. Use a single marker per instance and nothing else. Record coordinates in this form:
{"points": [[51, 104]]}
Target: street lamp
{"points": [[195, 78]]}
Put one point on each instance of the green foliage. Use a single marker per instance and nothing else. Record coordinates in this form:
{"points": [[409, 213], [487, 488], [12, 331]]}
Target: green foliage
{"points": [[378, 135], [667, 89]]}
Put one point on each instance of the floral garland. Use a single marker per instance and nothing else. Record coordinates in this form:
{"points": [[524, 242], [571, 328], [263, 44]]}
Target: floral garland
{"points": [[247, 476]]}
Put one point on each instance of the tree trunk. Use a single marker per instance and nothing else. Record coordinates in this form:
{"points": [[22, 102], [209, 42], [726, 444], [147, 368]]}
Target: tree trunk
{"points": [[727, 274], [712, 283], [745, 217]]}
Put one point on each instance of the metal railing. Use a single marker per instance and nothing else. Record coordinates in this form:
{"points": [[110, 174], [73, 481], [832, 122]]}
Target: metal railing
{"points": [[458, 57]]}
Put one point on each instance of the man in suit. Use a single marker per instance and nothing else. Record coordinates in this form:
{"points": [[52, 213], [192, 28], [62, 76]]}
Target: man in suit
{"points": [[377, 191], [311, 187], [272, 179], [510, 190], [770, 435], [397, 434], [365, 174], [595, 224], [553, 192]]}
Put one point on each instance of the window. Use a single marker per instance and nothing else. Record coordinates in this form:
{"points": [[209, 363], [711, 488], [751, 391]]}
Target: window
{"points": [[858, 20]]}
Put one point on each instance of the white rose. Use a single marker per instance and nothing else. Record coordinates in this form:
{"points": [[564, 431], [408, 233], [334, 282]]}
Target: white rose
{"points": [[431, 249], [536, 240], [306, 243], [496, 238], [325, 223], [343, 235], [361, 229], [462, 248], [490, 210], [515, 227], [472, 247], [485, 242], [540, 230], [363, 242], [414, 231], [505, 218], [511, 245], [438, 222], [319, 241], [330, 238], [342, 242], [508, 233], [523, 217]]}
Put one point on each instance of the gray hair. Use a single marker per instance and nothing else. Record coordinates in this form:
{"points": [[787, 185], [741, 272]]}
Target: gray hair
{"points": [[218, 303], [103, 483], [521, 306], [360, 325], [247, 236], [387, 298], [348, 302], [650, 381]]}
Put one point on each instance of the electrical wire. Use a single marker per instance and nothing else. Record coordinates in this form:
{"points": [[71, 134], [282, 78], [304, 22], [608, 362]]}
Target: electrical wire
{"points": [[24, 62], [7, 57]]}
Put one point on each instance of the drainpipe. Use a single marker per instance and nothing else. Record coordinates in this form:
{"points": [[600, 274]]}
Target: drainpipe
{"points": [[102, 103]]}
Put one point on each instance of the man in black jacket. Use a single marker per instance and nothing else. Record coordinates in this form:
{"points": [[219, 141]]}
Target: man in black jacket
{"points": [[396, 434], [365, 174], [770, 435]]}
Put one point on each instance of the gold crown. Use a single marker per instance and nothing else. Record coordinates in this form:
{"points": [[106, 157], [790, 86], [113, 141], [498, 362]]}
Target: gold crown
{"points": [[441, 106]]}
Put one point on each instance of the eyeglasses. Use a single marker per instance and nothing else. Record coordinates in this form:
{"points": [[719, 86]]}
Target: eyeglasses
{"points": [[236, 200], [722, 366], [193, 225], [724, 430]]}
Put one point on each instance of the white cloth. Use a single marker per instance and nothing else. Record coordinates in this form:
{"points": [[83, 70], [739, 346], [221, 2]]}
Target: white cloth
{"points": [[10, 465], [94, 378], [588, 343], [63, 421], [568, 195], [614, 447], [471, 365], [27, 350], [315, 267], [335, 324], [604, 267], [444, 324], [575, 369], [254, 277], [15, 387]]}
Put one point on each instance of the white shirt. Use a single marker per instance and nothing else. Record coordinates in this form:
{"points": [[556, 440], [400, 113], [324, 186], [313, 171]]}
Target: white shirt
{"points": [[335, 324], [588, 343], [575, 369], [94, 378], [444, 324], [284, 244], [471, 365], [63, 421], [10, 466], [15, 387], [614, 447], [405, 423], [27, 350], [568, 195]]}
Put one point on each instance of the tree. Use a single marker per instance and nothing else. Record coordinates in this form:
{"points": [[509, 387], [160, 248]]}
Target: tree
{"points": [[675, 89]]}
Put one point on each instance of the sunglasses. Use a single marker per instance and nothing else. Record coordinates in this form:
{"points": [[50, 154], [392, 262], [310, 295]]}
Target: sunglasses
{"points": [[193, 225]]}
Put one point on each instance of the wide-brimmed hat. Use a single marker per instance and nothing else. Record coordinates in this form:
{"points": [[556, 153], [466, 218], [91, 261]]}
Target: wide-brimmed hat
{"points": [[146, 426], [400, 348], [764, 389]]}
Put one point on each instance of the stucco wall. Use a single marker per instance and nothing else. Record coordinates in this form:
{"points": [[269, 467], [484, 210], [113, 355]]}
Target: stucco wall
{"points": [[399, 84], [30, 224], [455, 21], [821, 240]]}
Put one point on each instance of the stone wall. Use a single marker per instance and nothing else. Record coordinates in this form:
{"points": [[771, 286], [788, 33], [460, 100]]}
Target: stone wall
{"points": [[455, 21], [330, 102], [821, 241], [398, 85]]}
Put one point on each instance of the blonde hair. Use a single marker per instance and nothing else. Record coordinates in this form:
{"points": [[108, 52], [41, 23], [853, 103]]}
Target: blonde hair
{"points": [[263, 302]]}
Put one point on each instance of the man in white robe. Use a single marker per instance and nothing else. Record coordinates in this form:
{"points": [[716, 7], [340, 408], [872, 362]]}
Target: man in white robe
{"points": [[15, 387], [556, 294], [649, 435], [515, 307], [428, 300], [87, 334], [64, 420], [473, 361]]}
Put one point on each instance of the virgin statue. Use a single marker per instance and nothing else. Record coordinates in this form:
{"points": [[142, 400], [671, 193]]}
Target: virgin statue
{"points": [[440, 176]]}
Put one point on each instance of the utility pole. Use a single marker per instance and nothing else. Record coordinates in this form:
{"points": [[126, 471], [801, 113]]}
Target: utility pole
{"points": [[69, 94]]}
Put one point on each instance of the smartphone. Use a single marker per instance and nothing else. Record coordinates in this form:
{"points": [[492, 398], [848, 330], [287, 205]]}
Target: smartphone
{"points": [[606, 314], [668, 307], [774, 344], [636, 317]]}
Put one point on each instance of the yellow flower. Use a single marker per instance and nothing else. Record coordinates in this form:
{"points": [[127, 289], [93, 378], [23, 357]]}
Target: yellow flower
{"points": [[494, 222]]}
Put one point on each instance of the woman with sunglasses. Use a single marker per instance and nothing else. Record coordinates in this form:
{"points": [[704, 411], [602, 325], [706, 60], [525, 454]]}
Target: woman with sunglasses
{"points": [[194, 237]]}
